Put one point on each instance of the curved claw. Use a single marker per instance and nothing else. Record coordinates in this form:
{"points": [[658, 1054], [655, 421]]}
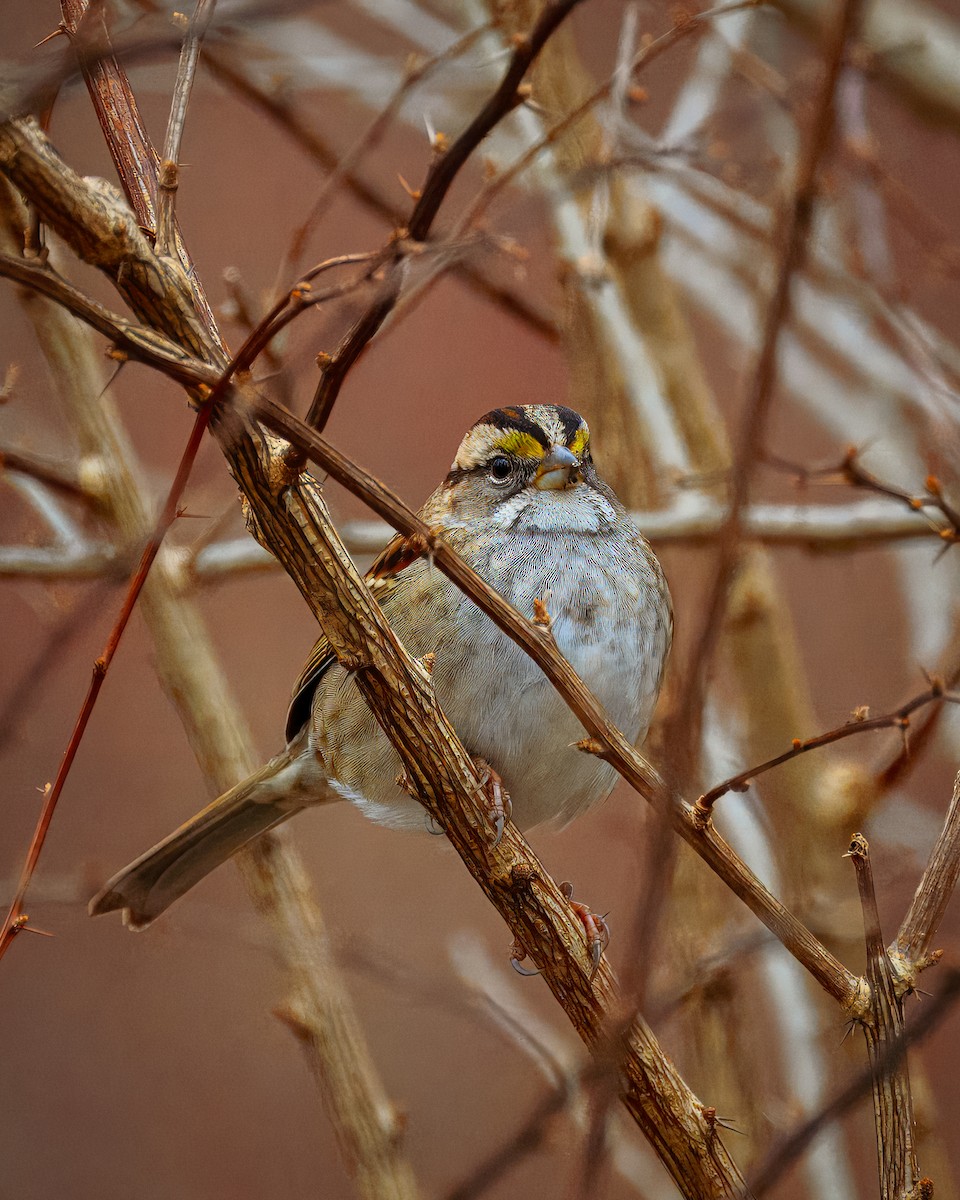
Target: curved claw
{"points": [[595, 928], [432, 826], [515, 963], [596, 953], [526, 972], [517, 954], [499, 827]]}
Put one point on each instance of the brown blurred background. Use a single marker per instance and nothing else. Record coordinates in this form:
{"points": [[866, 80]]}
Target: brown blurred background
{"points": [[152, 1065]]}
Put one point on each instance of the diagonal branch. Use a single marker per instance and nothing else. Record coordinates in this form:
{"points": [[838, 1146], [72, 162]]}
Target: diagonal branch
{"points": [[911, 951], [288, 516], [861, 723], [169, 174], [80, 204], [439, 180]]}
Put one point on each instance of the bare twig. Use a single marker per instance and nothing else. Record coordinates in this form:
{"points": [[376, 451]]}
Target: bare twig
{"points": [[851, 471], [911, 951], [440, 177], [860, 723], [16, 919], [130, 146], [415, 73], [772, 1167], [169, 174], [234, 72], [686, 25]]}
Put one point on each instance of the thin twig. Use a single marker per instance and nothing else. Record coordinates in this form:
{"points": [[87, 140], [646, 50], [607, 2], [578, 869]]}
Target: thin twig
{"points": [[860, 723], [440, 177], [415, 74], [169, 174], [136, 160], [911, 950], [850, 470], [688, 24], [16, 919], [234, 72]]}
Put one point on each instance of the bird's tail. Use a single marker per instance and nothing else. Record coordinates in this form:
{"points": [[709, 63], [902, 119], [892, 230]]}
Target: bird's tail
{"points": [[151, 883]]}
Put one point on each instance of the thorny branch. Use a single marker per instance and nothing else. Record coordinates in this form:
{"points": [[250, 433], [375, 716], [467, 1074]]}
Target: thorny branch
{"points": [[16, 919], [604, 739], [861, 722], [168, 179], [910, 951], [440, 177], [775, 1163], [852, 471], [196, 373]]}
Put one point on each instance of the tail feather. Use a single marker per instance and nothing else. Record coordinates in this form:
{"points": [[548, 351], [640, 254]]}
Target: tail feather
{"points": [[152, 882]]}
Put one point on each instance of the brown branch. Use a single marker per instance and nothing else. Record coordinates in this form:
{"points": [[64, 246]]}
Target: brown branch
{"points": [[76, 203], [372, 136], [861, 723], [910, 951], [883, 1027], [440, 177], [851, 471], [686, 25], [16, 919], [131, 149], [775, 1163], [232, 71], [169, 175], [109, 237], [133, 340]]}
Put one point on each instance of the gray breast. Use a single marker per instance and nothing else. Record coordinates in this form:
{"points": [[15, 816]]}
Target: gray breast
{"points": [[611, 625]]}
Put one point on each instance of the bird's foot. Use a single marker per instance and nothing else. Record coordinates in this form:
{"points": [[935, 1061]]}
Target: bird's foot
{"points": [[499, 807], [595, 928], [517, 955]]}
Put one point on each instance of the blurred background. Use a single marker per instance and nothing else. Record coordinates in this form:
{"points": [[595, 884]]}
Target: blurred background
{"points": [[627, 274]]}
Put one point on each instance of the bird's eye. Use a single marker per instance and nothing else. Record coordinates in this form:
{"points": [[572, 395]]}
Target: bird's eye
{"points": [[500, 467]]}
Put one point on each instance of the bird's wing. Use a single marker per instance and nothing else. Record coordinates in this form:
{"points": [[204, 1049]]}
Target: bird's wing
{"points": [[396, 555]]}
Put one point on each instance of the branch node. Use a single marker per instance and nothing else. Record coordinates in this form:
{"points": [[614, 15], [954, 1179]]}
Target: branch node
{"points": [[541, 616], [591, 745]]}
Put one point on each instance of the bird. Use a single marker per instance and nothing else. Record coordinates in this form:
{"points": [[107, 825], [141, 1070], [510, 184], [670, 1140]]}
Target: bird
{"points": [[524, 506]]}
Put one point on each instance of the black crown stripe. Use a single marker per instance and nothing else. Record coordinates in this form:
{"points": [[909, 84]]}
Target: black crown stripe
{"points": [[515, 419]]}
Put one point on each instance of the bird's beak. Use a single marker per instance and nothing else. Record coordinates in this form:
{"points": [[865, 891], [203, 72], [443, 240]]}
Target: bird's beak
{"points": [[560, 468]]}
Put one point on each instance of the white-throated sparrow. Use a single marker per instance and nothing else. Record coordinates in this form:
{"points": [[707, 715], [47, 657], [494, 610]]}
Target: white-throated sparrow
{"points": [[526, 509]]}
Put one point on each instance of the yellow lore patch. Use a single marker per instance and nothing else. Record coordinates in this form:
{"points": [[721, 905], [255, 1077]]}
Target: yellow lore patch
{"points": [[579, 441], [524, 445]]}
